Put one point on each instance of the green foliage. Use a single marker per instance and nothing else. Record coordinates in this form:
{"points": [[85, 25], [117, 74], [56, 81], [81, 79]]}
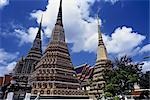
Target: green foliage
{"points": [[116, 98], [108, 94], [121, 78], [145, 80]]}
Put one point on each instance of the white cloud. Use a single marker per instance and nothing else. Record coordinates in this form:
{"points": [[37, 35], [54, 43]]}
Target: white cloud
{"points": [[11, 66], [6, 57], [146, 66], [26, 37], [3, 3], [109, 1], [7, 61], [112, 1], [74, 11], [77, 30], [146, 48], [81, 30], [7, 69], [124, 41]]}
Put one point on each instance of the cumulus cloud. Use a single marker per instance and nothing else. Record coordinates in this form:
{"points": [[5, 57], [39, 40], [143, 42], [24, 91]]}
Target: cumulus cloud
{"points": [[7, 61], [3, 3], [75, 12], [124, 41], [81, 29], [26, 36], [146, 48]]}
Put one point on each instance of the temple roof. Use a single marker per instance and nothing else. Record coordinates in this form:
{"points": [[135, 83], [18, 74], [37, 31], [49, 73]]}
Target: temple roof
{"points": [[79, 68], [84, 72]]}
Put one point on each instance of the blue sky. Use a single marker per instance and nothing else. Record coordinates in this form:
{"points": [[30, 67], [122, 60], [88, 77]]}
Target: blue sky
{"points": [[124, 24]]}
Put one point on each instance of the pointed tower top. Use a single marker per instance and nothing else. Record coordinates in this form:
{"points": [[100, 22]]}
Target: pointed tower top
{"points": [[37, 40], [40, 28], [100, 39], [101, 51], [59, 16]]}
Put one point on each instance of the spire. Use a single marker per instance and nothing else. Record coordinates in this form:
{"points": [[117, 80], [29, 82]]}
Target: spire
{"points": [[58, 31], [40, 28], [100, 39], [37, 41], [101, 52], [59, 16]]}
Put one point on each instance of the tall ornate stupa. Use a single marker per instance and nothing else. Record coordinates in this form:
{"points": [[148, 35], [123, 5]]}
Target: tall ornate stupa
{"points": [[26, 65], [54, 75], [101, 64]]}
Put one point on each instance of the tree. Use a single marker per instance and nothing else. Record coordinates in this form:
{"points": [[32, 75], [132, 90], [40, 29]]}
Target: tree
{"points": [[121, 78], [144, 80]]}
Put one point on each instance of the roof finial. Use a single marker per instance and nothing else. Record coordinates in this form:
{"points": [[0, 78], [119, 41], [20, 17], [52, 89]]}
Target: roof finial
{"points": [[98, 16], [59, 16], [41, 21], [99, 32], [40, 28]]}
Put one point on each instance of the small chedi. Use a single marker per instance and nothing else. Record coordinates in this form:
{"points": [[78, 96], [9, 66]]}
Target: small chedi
{"points": [[26, 66], [102, 62]]}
